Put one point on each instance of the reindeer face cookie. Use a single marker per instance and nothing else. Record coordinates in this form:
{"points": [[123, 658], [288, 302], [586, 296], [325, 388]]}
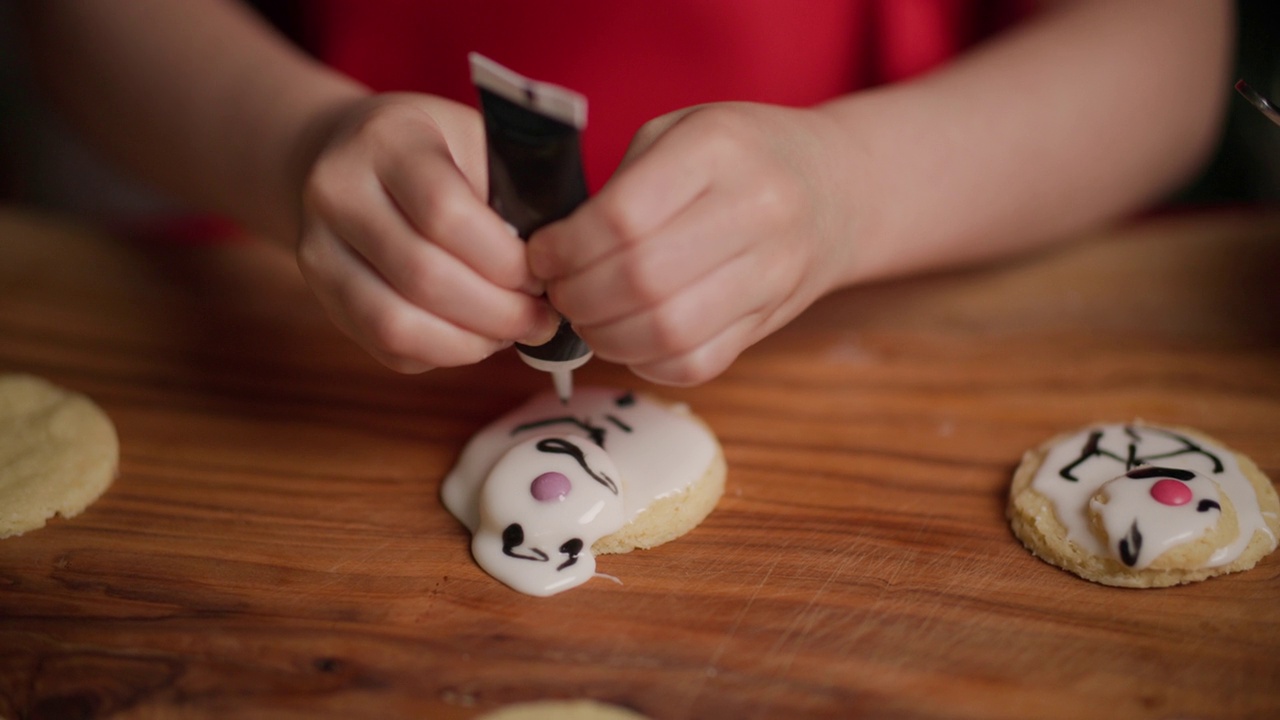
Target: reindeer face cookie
{"points": [[549, 486], [1135, 505]]}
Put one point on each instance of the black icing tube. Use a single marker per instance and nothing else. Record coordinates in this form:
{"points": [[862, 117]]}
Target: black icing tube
{"points": [[535, 178]]}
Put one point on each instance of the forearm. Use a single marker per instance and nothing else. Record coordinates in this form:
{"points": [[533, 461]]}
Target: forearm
{"points": [[1089, 111], [199, 97]]}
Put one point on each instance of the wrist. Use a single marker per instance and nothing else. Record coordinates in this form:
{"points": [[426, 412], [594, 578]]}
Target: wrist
{"points": [[856, 184]]}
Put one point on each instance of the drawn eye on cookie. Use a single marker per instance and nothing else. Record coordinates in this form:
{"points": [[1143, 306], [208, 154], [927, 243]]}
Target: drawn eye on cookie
{"points": [[513, 538], [543, 505], [1151, 510]]}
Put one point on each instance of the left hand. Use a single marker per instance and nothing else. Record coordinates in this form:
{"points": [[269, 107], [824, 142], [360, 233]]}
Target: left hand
{"points": [[723, 223]]}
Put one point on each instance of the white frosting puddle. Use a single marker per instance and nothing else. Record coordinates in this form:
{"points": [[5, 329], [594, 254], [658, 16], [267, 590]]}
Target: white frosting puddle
{"points": [[1143, 521], [538, 486]]}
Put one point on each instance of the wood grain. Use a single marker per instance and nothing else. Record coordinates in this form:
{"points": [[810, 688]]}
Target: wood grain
{"points": [[274, 545]]}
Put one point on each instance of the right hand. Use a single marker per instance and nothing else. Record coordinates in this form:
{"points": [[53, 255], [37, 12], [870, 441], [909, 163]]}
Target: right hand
{"points": [[399, 246]]}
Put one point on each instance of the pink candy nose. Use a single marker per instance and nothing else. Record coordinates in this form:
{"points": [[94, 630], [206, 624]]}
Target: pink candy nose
{"points": [[550, 487], [1171, 492]]}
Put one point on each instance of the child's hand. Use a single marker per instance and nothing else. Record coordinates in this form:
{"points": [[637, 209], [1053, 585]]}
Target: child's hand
{"points": [[723, 224], [401, 249]]}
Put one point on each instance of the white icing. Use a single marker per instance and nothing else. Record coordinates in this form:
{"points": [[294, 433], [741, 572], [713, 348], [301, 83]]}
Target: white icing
{"points": [[543, 562], [1122, 447], [655, 450], [1125, 504]]}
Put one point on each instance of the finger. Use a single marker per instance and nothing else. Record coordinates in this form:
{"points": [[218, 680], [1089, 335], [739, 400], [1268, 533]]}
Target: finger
{"points": [[439, 203], [394, 331], [399, 150], [711, 352], [705, 362], [683, 322], [426, 274], [441, 284], [651, 190], [701, 239]]}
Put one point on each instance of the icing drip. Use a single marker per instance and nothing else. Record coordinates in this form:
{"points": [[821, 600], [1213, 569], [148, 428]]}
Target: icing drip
{"points": [[619, 453], [1125, 462]]}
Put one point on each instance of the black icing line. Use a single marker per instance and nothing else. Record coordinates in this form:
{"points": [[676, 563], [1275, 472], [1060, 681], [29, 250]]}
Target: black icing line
{"points": [[1155, 471], [1190, 447], [564, 447], [1093, 448], [1132, 460], [512, 538], [595, 432], [1131, 545], [572, 548]]}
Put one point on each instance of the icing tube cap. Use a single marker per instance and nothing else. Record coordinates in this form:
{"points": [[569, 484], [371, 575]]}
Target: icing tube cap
{"points": [[560, 356], [564, 351]]}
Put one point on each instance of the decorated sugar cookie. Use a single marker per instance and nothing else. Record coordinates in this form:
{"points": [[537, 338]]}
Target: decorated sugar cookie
{"points": [[548, 486], [1136, 505]]}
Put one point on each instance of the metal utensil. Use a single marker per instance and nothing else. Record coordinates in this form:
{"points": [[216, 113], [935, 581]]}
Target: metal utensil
{"points": [[1259, 101]]}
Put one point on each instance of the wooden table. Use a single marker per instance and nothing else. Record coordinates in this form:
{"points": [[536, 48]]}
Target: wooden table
{"points": [[274, 544]]}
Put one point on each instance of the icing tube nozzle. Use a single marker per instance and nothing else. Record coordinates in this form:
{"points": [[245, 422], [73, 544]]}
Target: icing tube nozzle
{"points": [[560, 356], [563, 380], [532, 134]]}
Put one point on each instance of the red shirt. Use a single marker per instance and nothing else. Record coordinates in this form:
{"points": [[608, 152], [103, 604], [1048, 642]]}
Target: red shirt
{"points": [[638, 59]]}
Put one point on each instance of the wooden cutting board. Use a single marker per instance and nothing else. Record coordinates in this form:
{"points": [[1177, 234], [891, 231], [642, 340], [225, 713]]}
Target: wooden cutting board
{"points": [[274, 545]]}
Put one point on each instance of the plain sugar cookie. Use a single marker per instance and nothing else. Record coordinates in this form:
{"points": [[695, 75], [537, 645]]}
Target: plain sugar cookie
{"points": [[58, 453], [1138, 505], [550, 485]]}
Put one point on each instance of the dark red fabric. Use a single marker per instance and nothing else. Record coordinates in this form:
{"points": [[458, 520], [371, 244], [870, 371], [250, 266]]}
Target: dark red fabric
{"points": [[637, 59]]}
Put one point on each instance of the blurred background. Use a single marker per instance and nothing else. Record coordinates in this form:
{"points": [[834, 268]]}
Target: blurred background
{"points": [[42, 163]]}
